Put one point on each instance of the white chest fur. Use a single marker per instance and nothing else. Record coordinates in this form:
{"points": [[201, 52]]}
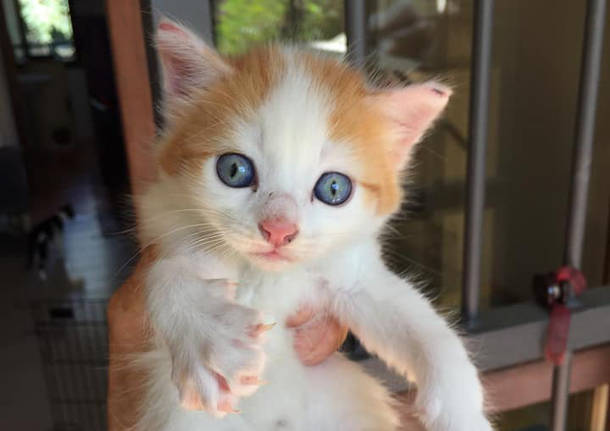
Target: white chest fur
{"points": [[278, 296]]}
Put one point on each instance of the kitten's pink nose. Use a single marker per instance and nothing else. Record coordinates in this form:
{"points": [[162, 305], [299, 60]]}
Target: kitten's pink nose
{"points": [[278, 232]]}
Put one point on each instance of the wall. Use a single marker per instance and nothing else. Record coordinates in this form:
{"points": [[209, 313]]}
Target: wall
{"points": [[8, 131]]}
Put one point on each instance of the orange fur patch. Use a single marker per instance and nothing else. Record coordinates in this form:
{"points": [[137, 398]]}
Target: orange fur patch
{"points": [[358, 121], [196, 134], [354, 119]]}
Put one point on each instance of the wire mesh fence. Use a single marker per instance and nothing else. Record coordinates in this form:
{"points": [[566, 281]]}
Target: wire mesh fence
{"points": [[72, 337]]}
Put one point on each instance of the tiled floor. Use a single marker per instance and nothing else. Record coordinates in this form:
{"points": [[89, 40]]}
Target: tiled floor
{"points": [[84, 267]]}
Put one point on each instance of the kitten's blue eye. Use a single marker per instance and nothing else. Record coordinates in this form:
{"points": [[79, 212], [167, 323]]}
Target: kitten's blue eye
{"points": [[333, 188], [235, 170]]}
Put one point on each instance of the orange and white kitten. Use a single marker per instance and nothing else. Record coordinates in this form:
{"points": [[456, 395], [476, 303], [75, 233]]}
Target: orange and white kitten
{"points": [[277, 171]]}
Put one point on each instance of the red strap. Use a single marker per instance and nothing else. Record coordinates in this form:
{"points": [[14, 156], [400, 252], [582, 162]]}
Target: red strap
{"points": [[557, 337], [573, 283], [567, 274]]}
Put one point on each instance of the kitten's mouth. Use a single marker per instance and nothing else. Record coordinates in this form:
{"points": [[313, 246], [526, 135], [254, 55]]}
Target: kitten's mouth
{"points": [[273, 255]]}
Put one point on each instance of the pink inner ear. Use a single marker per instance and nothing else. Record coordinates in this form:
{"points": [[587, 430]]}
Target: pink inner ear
{"points": [[176, 75], [412, 111], [168, 26], [176, 51], [188, 63], [169, 36]]}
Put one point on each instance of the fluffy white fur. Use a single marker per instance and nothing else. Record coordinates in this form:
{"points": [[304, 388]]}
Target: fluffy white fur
{"points": [[206, 290]]}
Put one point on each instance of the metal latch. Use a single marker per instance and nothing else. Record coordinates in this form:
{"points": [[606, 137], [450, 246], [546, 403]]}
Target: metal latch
{"points": [[557, 291]]}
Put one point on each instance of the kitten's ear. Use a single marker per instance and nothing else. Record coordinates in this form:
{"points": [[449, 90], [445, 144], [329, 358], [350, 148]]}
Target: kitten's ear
{"points": [[411, 111], [187, 62]]}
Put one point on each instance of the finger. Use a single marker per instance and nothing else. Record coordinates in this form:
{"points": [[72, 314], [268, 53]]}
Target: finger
{"points": [[129, 299], [304, 315], [315, 343], [314, 352], [128, 319], [128, 332]]}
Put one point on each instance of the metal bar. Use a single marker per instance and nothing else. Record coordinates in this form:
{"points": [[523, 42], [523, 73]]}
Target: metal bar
{"points": [[530, 383], [356, 31], [581, 173], [560, 393], [585, 129], [511, 335], [521, 385], [479, 104], [213, 9]]}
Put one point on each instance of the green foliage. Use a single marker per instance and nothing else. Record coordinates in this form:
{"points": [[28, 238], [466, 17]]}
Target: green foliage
{"points": [[242, 23], [46, 20], [323, 19]]}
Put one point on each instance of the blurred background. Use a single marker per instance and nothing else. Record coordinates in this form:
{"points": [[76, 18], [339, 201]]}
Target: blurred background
{"points": [[78, 86]]}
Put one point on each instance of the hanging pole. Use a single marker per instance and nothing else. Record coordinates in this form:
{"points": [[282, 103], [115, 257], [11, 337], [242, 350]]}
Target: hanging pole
{"points": [[475, 188], [581, 174], [356, 31]]}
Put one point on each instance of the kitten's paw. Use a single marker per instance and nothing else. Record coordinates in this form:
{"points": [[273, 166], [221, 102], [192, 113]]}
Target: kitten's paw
{"points": [[223, 360], [236, 351], [203, 390]]}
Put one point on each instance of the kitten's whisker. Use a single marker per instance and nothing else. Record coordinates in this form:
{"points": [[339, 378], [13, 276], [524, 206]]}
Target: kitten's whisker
{"points": [[122, 267], [156, 240], [206, 241], [170, 212], [401, 256], [124, 231]]}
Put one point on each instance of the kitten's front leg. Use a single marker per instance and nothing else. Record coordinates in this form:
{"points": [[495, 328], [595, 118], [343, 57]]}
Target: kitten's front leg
{"points": [[214, 343], [397, 323]]}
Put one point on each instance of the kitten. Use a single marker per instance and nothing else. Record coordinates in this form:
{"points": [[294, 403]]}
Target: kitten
{"points": [[277, 171]]}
